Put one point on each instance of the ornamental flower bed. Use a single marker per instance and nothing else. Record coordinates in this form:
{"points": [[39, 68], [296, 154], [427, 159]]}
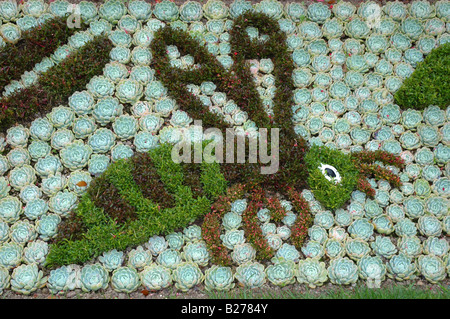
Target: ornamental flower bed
{"points": [[90, 197]]}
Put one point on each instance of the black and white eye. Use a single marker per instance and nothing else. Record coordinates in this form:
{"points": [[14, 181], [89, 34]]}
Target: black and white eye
{"points": [[330, 173]]}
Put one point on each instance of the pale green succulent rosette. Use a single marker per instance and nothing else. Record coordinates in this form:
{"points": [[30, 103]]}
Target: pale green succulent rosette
{"points": [[93, 278], [443, 10], [88, 11], [187, 275], [238, 7], [9, 10], [324, 219], [432, 268], [344, 10], [44, 65], [357, 28], [310, 30], [145, 141], [429, 226], [76, 155], [191, 11], [436, 246], [251, 274], [317, 47], [155, 90], [125, 279], [18, 156], [21, 176], [231, 238], [410, 140], [100, 27], [156, 277], [59, 8], [281, 272], [155, 24], [129, 24], [83, 127], [166, 11], [332, 28], [411, 246], [141, 56], [61, 138], [431, 173], [313, 249], [405, 227], [120, 54], [175, 240], [169, 258], [288, 252], [383, 225], [356, 248], [125, 127], [422, 9], [219, 278], [62, 203], [140, 9], [400, 41], [120, 38], [139, 258], [35, 208], [196, 252], [26, 279], [372, 269], [361, 228], [48, 165], [156, 245], [446, 224], [10, 255], [112, 10], [13, 87], [26, 23], [100, 87], [342, 271], [77, 178], [35, 252], [34, 7], [17, 136], [334, 248], [115, 71], [30, 192], [243, 253], [107, 110], [312, 272], [111, 260], [142, 73], [143, 37], [22, 232], [47, 226], [98, 163], [383, 247], [41, 129]]}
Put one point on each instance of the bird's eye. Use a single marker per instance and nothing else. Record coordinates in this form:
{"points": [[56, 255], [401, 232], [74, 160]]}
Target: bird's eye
{"points": [[330, 173]]}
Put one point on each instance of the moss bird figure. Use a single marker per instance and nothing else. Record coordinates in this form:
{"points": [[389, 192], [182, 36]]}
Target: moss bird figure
{"points": [[149, 194]]}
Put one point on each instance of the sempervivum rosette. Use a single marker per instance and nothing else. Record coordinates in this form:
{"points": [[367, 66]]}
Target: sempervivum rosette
{"points": [[251, 274], [436, 246], [129, 24], [102, 140], [125, 127], [120, 54], [142, 73], [155, 90], [310, 30], [143, 37], [61, 138], [139, 258], [243, 253], [169, 258], [10, 32], [98, 163], [26, 279], [115, 71], [342, 271], [191, 11], [196, 252], [373, 270], [81, 102], [432, 268], [140, 9], [344, 10], [112, 259], [357, 28], [187, 275], [155, 277], [219, 278], [421, 9], [112, 10], [83, 127], [76, 155], [21, 176], [312, 272], [318, 12], [47, 226], [281, 272], [62, 203], [125, 279], [106, 110], [332, 28], [93, 277], [166, 11], [35, 252], [100, 86], [129, 91], [141, 56]]}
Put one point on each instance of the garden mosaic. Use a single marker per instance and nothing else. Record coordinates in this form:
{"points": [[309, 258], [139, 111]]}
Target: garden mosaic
{"points": [[89, 195]]}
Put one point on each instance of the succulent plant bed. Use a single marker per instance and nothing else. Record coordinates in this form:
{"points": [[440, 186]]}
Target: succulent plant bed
{"points": [[91, 200]]}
